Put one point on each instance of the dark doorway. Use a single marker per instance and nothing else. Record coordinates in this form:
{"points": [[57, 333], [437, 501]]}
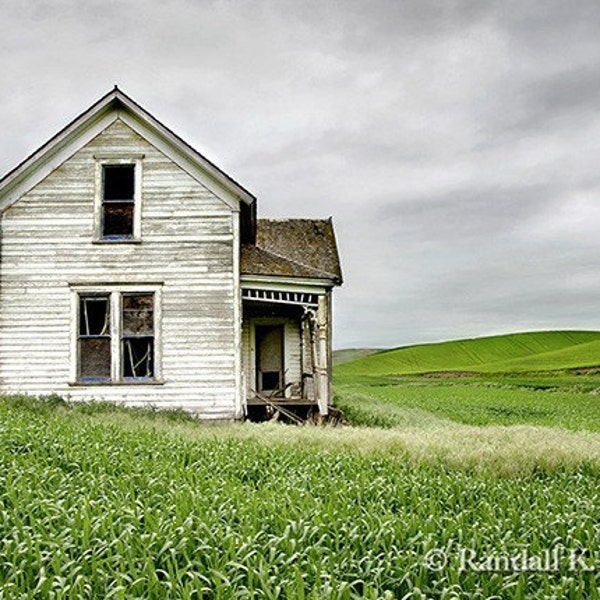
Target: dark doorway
{"points": [[269, 359]]}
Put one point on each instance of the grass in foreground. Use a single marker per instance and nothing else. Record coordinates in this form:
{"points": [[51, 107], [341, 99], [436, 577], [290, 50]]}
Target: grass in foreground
{"points": [[110, 503]]}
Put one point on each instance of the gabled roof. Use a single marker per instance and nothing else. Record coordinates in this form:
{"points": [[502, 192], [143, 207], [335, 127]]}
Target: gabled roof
{"points": [[304, 248], [112, 106]]}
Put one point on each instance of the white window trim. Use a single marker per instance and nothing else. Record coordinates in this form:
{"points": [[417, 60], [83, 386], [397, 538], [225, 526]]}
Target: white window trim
{"points": [[109, 159], [115, 293]]}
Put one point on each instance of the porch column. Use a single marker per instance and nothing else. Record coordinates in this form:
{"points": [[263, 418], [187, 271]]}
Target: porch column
{"points": [[322, 367]]}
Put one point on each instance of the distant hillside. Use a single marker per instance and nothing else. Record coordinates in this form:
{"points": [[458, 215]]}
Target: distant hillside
{"points": [[348, 354], [518, 352]]}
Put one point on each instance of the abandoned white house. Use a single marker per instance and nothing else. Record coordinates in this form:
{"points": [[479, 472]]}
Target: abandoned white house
{"points": [[134, 270]]}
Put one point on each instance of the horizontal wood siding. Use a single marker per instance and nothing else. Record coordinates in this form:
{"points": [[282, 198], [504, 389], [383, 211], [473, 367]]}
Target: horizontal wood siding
{"points": [[293, 367], [187, 245], [247, 358]]}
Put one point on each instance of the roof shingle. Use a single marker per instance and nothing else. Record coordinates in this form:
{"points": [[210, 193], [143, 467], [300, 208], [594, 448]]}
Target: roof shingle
{"points": [[304, 248]]}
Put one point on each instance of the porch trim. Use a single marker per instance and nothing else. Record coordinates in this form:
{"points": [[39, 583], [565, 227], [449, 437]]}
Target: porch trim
{"points": [[284, 283], [281, 297]]}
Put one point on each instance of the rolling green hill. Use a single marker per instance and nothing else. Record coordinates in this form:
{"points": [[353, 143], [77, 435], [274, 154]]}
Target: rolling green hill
{"points": [[349, 354], [519, 352]]}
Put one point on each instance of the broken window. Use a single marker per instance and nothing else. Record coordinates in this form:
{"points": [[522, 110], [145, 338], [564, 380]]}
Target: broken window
{"points": [[118, 201], [94, 338], [121, 349], [138, 335]]}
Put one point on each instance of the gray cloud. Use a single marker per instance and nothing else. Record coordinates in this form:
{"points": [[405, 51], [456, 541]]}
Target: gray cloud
{"points": [[455, 143]]}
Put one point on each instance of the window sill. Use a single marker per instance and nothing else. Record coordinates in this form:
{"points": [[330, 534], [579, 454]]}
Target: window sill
{"points": [[123, 241], [131, 382]]}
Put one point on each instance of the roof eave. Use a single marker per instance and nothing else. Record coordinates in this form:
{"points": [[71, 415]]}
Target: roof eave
{"points": [[340, 276], [219, 175], [324, 282]]}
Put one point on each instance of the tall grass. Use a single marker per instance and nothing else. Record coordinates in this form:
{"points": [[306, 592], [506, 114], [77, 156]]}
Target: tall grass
{"points": [[470, 404], [112, 504]]}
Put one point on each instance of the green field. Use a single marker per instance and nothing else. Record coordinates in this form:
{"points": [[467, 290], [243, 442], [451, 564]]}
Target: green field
{"points": [[520, 352], [99, 501], [108, 503], [349, 354], [545, 378]]}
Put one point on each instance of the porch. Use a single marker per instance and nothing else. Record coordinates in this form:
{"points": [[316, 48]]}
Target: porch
{"points": [[286, 353]]}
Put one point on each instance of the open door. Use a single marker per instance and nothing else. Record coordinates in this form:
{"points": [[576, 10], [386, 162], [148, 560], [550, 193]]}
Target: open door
{"points": [[269, 359]]}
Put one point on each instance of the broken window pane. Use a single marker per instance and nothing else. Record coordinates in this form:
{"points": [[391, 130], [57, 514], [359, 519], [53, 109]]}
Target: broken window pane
{"points": [[138, 315], [117, 219], [98, 356], [138, 335], [118, 199], [138, 357], [138, 301], [119, 182], [94, 316], [94, 358], [94, 338]]}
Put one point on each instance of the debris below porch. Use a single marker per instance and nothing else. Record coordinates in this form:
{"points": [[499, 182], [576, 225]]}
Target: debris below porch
{"points": [[295, 411]]}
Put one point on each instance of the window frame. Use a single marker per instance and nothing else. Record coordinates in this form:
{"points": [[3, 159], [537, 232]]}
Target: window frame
{"points": [[124, 336], [115, 295], [118, 160], [81, 336]]}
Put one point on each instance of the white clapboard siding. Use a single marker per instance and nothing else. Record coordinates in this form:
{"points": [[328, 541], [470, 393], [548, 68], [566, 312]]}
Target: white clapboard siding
{"points": [[248, 359], [293, 370], [187, 246]]}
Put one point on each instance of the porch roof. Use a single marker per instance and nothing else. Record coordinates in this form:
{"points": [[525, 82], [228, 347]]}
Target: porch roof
{"points": [[304, 248]]}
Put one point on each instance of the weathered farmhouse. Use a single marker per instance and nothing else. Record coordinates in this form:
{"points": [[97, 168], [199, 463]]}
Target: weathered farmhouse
{"points": [[134, 270]]}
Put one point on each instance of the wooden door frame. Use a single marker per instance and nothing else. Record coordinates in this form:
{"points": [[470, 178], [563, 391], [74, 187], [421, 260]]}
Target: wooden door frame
{"points": [[257, 327]]}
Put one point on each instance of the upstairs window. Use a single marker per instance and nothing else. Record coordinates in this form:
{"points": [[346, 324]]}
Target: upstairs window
{"points": [[118, 210], [118, 201]]}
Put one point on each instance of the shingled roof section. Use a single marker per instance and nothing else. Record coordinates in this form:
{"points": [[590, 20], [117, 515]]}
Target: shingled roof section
{"points": [[303, 248]]}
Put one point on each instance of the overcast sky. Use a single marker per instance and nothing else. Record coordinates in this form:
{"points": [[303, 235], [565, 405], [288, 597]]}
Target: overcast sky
{"points": [[455, 143]]}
